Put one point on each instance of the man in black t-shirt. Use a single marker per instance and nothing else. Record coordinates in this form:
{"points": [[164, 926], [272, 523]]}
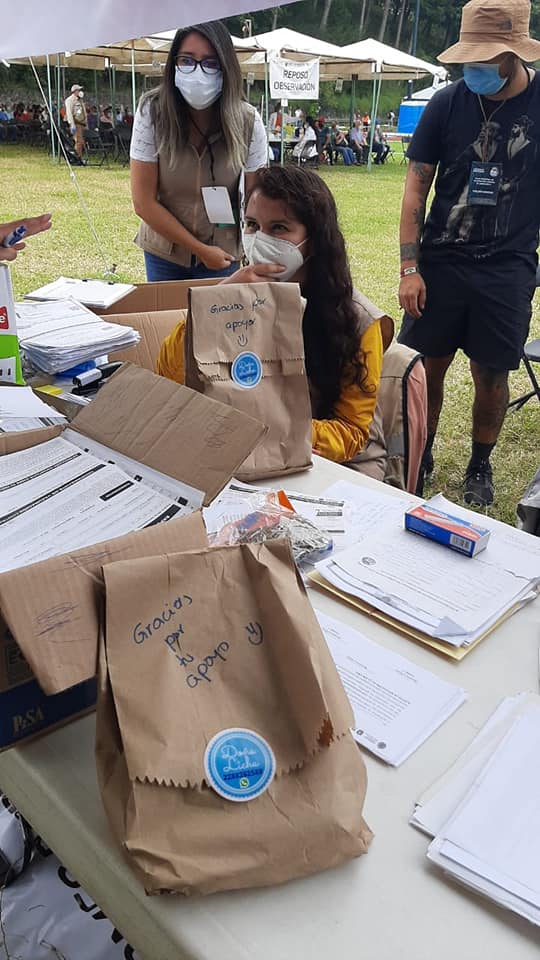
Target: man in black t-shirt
{"points": [[468, 270]]}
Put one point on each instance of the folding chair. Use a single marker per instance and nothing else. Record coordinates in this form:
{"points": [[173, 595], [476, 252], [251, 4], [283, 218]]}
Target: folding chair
{"points": [[531, 354], [94, 149], [405, 141]]}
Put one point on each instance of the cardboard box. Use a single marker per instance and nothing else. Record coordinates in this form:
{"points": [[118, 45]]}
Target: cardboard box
{"points": [[52, 608], [151, 297], [453, 532], [153, 327]]}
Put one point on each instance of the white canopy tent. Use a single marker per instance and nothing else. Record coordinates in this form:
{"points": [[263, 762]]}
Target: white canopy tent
{"points": [[391, 64], [41, 28]]}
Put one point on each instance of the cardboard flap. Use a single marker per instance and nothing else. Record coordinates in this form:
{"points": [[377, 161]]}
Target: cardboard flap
{"points": [[227, 638], [170, 428], [153, 328], [53, 608], [265, 318], [24, 439]]}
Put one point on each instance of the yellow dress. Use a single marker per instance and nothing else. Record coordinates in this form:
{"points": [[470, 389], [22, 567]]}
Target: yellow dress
{"points": [[338, 439]]}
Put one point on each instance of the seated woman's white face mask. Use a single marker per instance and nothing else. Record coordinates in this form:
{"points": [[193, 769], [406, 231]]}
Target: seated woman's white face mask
{"points": [[261, 248], [273, 235]]}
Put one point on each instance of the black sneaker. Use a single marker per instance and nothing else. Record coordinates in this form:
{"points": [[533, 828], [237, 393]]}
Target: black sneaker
{"points": [[478, 486]]}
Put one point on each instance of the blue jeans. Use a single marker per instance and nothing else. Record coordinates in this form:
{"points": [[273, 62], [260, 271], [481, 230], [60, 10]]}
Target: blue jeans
{"points": [[159, 269], [348, 155]]}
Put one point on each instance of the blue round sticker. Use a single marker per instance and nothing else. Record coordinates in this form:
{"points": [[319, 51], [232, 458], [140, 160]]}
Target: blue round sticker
{"points": [[247, 370], [239, 764]]}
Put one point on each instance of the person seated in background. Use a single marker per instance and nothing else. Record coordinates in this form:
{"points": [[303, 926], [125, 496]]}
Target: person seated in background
{"points": [[106, 117], [366, 120], [326, 154], [343, 331], [92, 118], [340, 144], [299, 121], [275, 121], [306, 148], [381, 146], [358, 142]]}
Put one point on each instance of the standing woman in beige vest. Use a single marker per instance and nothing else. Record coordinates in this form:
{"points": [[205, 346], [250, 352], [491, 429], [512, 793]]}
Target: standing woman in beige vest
{"points": [[194, 138]]}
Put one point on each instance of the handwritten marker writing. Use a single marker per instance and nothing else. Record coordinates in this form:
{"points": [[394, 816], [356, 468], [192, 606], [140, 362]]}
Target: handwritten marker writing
{"points": [[14, 237]]}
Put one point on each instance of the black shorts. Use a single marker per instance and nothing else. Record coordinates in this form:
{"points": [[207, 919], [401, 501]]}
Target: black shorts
{"points": [[480, 306]]}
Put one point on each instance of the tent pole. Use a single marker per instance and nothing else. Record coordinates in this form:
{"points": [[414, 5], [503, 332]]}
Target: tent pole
{"points": [[266, 114], [372, 128], [58, 117], [282, 134], [49, 89], [353, 96], [133, 80], [96, 93]]}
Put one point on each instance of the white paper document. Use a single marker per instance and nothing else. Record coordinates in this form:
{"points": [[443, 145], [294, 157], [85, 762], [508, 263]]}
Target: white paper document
{"points": [[484, 812], [55, 498], [396, 704], [431, 588], [21, 409], [58, 335], [188, 497], [93, 293]]}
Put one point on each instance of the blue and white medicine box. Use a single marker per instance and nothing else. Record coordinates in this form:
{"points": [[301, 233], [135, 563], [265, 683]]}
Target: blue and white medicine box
{"points": [[461, 535]]}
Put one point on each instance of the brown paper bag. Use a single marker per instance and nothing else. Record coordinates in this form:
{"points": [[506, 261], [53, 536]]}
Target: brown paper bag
{"points": [[203, 642], [244, 346]]}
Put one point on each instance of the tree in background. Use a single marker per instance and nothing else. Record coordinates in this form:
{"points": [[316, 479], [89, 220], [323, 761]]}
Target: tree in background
{"points": [[391, 21]]}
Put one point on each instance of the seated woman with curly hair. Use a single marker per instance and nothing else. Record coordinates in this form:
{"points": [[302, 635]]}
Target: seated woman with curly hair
{"points": [[292, 234]]}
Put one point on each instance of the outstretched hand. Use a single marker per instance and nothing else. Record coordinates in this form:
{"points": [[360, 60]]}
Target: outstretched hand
{"points": [[33, 225]]}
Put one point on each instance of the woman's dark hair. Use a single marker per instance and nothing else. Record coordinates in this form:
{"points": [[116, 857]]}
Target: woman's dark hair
{"points": [[169, 110], [331, 334]]}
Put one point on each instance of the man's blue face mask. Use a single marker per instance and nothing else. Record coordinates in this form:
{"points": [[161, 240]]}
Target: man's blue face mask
{"points": [[483, 78]]}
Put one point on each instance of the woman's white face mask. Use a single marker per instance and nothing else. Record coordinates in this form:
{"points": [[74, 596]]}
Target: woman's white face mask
{"points": [[259, 247], [200, 90]]}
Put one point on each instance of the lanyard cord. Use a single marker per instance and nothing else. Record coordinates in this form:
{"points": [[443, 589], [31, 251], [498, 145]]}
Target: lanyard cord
{"points": [[209, 145]]}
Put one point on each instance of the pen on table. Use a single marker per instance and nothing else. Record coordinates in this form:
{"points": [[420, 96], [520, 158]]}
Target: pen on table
{"points": [[14, 236]]}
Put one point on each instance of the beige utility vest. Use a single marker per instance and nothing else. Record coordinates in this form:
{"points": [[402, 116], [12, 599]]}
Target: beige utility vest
{"points": [[179, 191]]}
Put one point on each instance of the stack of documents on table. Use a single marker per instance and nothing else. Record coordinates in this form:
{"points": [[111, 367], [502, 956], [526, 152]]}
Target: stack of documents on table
{"points": [[58, 335], [93, 293], [396, 704], [72, 492], [436, 595], [344, 511], [484, 813], [20, 409]]}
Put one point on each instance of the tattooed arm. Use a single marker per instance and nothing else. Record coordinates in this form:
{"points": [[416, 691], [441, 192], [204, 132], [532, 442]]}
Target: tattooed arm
{"points": [[412, 290]]}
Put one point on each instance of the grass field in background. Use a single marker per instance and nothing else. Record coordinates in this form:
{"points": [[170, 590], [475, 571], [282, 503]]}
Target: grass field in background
{"points": [[368, 205]]}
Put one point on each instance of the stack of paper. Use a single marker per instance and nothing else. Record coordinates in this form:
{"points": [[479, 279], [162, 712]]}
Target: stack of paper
{"points": [[484, 813], [58, 335], [93, 293], [447, 599], [70, 493], [20, 409], [396, 704]]}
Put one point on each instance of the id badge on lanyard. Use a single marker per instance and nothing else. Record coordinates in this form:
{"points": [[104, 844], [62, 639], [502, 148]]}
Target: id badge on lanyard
{"points": [[484, 184], [217, 204]]}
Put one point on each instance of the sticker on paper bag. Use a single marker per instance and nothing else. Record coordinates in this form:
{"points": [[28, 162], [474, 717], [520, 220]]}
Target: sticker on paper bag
{"points": [[246, 370], [239, 764]]}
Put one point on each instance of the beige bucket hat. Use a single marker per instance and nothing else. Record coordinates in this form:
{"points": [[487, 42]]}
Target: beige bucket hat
{"points": [[490, 28]]}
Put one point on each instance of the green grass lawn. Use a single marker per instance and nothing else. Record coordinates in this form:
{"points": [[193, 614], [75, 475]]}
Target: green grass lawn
{"points": [[369, 206]]}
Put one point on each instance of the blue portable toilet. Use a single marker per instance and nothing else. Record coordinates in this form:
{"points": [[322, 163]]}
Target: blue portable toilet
{"points": [[410, 112]]}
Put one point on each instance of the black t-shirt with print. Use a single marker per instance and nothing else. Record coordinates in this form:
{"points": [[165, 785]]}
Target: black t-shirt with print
{"points": [[452, 133]]}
